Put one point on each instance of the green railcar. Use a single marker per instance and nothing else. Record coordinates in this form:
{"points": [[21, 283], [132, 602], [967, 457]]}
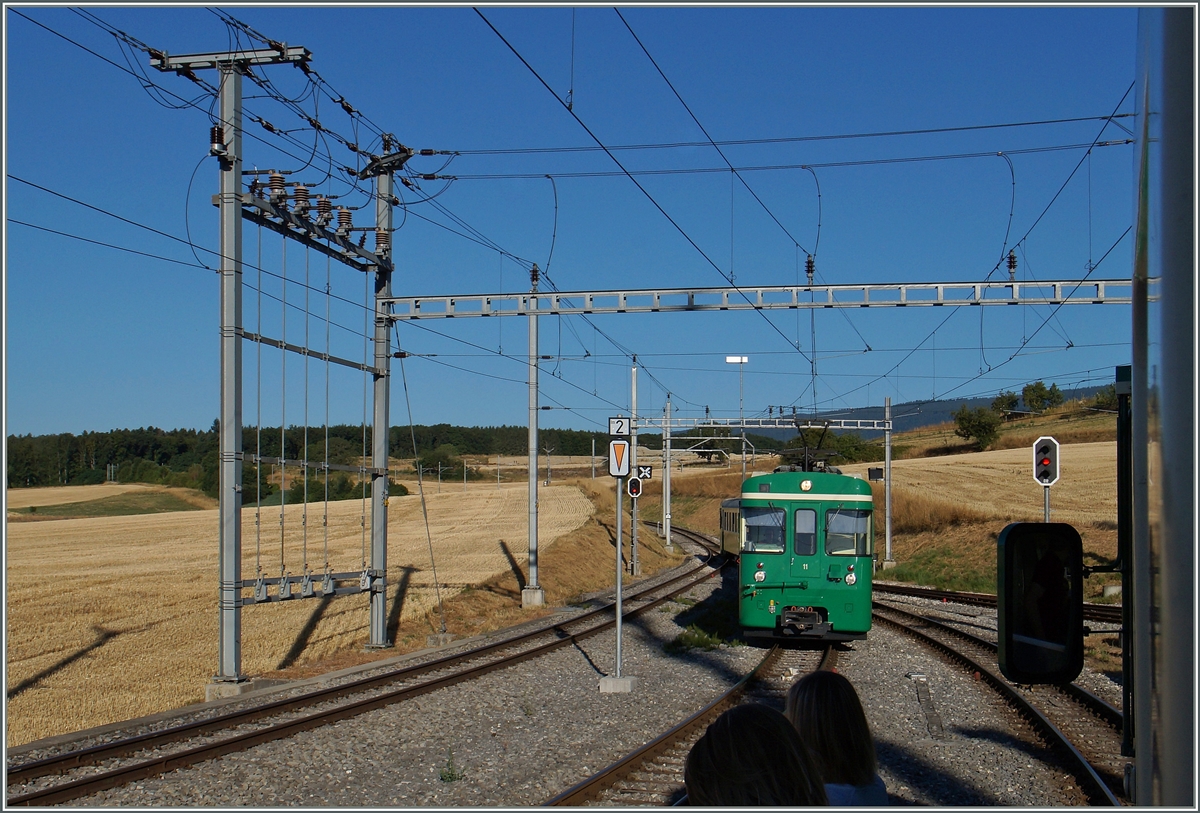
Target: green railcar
{"points": [[805, 542]]}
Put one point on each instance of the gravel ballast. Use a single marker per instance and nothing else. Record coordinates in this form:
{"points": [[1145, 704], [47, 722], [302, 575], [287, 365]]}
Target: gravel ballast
{"points": [[521, 735]]}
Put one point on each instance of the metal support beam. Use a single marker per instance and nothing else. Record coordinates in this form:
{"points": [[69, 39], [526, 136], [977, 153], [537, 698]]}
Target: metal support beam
{"points": [[380, 430], [666, 427], [533, 595], [869, 424], [635, 568], [229, 649], [788, 297], [888, 561]]}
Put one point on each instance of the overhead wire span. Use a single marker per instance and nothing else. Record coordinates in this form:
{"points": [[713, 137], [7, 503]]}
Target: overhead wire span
{"points": [[189, 243], [794, 139], [908, 159], [412, 433], [643, 190]]}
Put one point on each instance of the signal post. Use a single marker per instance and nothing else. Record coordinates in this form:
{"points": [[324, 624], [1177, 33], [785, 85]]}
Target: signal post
{"points": [[619, 468], [1045, 468]]}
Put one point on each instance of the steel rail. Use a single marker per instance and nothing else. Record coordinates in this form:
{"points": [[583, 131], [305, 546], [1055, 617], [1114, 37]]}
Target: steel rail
{"points": [[1101, 708], [119, 776], [1107, 613], [1091, 782], [589, 789]]}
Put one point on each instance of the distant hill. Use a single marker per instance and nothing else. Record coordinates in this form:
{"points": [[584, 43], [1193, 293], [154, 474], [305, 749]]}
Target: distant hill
{"points": [[908, 415]]}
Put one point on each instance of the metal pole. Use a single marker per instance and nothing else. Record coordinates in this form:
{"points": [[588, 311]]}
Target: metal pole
{"points": [[667, 472], [1046, 506], [620, 568], [1125, 553], [593, 458], [377, 576], [887, 481], [532, 595], [742, 413], [229, 653], [634, 567]]}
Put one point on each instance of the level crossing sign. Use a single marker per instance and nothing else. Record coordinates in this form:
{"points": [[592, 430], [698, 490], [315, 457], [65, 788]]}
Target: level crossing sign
{"points": [[644, 472], [618, 458]]}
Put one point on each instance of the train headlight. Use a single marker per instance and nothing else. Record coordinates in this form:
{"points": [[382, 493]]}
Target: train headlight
{"points": [[760, 575], [851, 578]]}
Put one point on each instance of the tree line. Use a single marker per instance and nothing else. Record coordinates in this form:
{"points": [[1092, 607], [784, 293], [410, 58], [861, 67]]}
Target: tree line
{"points": [[190, 458], [983, 423]]}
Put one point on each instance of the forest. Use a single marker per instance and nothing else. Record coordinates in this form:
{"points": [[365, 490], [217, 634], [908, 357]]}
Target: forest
{"points": [[189, 457]]}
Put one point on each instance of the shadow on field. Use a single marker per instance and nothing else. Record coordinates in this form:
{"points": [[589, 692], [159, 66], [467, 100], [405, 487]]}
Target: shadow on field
{"points": [[310, 626], [104, 637], [612, 539], [393, 623], [512, 563]]}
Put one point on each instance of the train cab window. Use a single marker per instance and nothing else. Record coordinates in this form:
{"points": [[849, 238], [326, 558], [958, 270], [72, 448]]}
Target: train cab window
{"points": [[848, 532], [806, 532], [764, 530]]}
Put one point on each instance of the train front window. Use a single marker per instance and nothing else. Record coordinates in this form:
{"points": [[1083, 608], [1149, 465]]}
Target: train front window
{"points": [[764, 530], [848, 532], [806, 532]]}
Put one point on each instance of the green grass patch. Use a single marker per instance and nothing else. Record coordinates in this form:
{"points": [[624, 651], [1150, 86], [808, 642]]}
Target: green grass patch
{"points": [[692, 638], [451, 772], [118, 505], [946, 569]]}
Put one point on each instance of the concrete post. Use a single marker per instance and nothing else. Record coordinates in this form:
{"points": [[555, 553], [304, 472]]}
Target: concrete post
{"points": [[635, 568], [888, 561], [667, 472], [533, 595], [376, 577], [229, 653]]}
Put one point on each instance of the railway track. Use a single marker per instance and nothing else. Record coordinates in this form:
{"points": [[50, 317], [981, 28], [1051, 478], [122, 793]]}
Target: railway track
{"points": [[1082, 728], [1105, 613], [78, 773], [653, 774]]}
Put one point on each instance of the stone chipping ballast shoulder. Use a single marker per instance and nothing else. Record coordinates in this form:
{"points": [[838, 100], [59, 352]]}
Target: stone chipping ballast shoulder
{"points": [[519, 736]]}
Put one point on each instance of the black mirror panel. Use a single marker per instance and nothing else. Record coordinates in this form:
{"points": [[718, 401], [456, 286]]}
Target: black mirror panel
{"points": [[1040, 602]]}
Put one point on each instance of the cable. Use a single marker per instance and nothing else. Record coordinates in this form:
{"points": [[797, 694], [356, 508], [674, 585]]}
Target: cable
{"points": [[911, 159], [794, 139], [189, 243], [643, 190], [106, 245]]}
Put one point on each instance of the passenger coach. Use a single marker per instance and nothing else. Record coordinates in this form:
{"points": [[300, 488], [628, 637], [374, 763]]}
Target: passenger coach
{"points": [[806, 546]]}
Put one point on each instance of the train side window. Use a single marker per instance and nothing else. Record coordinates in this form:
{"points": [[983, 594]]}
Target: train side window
{"points": [[764, 530], [806, 532], [848, 532]]}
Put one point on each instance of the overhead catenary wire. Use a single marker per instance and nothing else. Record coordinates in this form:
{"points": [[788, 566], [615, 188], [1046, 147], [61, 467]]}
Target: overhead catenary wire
{"points": [[412, 433], [643, 190], [793, 139]]}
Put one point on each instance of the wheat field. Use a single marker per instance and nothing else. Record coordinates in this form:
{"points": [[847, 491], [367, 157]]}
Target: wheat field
{"points": [[116, 617], [1000, 483]]}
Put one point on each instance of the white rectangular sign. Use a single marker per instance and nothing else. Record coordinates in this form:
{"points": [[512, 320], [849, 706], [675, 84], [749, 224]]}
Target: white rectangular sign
{"points": [[618, 426], [618, 458]]}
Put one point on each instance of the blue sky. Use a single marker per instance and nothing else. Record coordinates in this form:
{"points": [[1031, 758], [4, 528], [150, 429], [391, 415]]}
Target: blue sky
{"points": [[98, 338]]}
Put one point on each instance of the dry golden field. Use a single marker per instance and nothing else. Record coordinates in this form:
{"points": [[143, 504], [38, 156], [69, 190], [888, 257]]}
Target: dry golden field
{"points": [[115, 617], [1000, 483], [25, 497]]}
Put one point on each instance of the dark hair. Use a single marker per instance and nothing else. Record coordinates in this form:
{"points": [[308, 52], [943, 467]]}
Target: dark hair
{"points": [[751, 755], [825, 710]]}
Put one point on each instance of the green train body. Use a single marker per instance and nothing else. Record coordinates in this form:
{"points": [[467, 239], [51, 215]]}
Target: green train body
{"points": [[805, 542]]}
